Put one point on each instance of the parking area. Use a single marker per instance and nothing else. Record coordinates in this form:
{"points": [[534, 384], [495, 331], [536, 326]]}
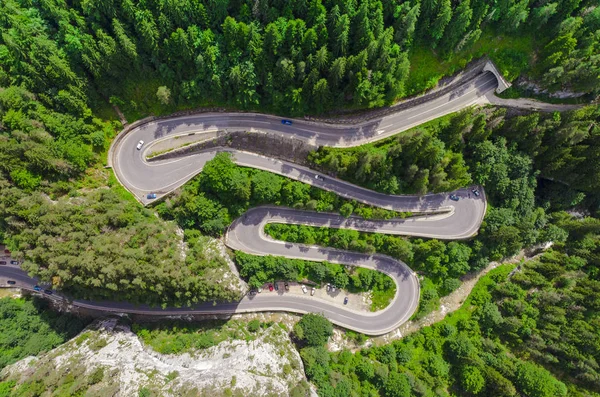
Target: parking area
{"points": [[358, 302]]}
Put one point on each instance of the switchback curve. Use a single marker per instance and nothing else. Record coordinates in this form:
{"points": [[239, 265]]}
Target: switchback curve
{"points": [[461, 219]]}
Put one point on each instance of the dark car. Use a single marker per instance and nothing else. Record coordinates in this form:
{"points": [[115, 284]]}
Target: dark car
{"points": [[7, 252], [48, 291], [276, 286], [286, 122], [11, 282], [476, 192], [345, 300], [37, 288], [14, 262], [453, 197], [2, 262], [151, 196]]}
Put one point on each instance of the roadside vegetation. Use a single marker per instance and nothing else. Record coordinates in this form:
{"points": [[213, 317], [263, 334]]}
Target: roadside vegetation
{"points": [[97, 245], [223, 191]]}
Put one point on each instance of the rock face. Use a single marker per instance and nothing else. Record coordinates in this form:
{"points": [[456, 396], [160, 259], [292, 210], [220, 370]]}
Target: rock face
{"points": [[108, 359]]}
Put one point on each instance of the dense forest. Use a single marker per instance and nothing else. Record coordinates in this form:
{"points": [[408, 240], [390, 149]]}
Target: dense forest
{"points": [[531, 330], [290, 57]]}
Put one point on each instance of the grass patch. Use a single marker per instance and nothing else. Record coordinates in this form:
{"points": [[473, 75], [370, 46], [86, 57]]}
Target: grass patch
{"points": [[512, 55], [123, 193], [479, 293], [154, 154], [176, 337], [381, 298]]}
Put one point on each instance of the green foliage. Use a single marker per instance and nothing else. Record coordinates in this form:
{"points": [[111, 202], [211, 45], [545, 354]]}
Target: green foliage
{"points": [[471, 379], [518, 333], [28, 328], [416, 162], [313, 329], [224, 191], [176, 337], [253, 325], [101, 246]]}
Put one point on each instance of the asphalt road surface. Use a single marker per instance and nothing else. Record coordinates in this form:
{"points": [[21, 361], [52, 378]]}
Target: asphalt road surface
{"points": [[452, 219], [162, 177]]}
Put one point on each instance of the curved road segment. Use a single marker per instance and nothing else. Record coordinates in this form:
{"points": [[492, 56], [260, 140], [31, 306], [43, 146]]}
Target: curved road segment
{"points": [[452, 219]]}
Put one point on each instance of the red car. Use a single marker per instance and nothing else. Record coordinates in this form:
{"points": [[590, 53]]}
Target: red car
{"points": [[270, 287]]}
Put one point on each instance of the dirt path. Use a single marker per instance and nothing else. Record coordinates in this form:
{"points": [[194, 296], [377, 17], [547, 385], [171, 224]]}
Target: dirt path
{"points": [[121, 115], [530, 104], [448, 304]]}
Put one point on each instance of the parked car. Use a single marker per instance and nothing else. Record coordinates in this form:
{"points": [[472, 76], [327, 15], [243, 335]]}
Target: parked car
{"points": [[139, 145], [271, 287], [287, 286], [312, 291], [328, 287], [332, 288], [276, 286], [476, 192], [454, 197], [252, 292], [304, 289], [48, 291], [14, 262], [151, 196], [286, 122], [37, 288], [259, 290], [11, 282], [2, 262], [7, 252], [345, 300]]}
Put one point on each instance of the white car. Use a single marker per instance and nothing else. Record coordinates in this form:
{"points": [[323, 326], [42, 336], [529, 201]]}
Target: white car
{"points": [[304, 289], [312, 291], [139, 145]]}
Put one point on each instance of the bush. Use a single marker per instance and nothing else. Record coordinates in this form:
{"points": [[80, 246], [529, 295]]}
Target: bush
{"points": [[96, 376], [253, 325], [313, 329]]}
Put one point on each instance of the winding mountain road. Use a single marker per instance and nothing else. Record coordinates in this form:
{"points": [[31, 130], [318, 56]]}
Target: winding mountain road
{"points": [[452, 219]]}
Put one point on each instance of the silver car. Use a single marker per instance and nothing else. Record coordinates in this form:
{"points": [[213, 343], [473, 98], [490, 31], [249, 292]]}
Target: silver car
{"points": [[139, 145]]}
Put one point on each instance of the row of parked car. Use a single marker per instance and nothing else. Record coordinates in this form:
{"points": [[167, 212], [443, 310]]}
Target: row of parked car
{"points": [[275, 287], [7, 262]]}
